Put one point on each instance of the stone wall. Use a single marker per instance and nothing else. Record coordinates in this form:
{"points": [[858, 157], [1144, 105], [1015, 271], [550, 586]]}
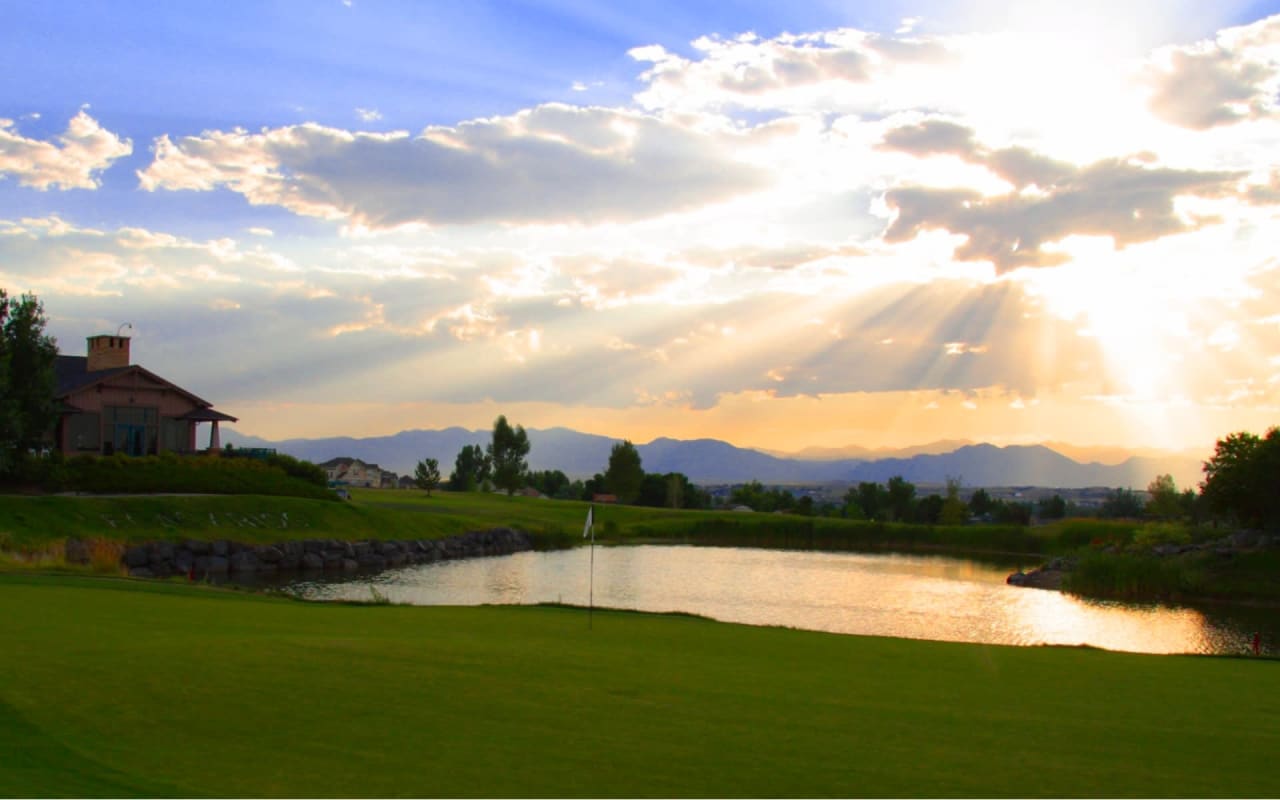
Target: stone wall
{"points": [[226, 558]]}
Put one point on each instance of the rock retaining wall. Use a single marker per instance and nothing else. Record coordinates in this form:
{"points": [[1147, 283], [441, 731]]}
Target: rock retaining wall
{"points": [[224, 557]]}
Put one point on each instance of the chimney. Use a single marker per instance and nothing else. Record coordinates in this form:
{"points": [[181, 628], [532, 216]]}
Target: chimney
{"points": [[108, 352]]}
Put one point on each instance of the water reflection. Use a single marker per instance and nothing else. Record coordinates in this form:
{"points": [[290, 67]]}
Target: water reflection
{"points": [[921, 597]]}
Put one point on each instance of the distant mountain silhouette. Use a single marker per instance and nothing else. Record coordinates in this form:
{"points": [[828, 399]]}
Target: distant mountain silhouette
{"points": [[705, 461]]}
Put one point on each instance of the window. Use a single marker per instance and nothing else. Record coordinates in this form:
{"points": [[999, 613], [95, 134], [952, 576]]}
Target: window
{"points": [[132, 430]]}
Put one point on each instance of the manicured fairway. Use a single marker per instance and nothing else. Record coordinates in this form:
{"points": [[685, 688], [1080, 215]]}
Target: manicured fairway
{"points": [[115, 687]]}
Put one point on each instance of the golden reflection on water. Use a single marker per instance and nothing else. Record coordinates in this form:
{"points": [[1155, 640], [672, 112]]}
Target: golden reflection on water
{"points": [[921, 597]]}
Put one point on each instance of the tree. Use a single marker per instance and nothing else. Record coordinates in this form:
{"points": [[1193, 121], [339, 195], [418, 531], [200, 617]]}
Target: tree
{"points": [[507, 454], [551, 482], [1053, 507], [871, 499], [928, 509], [470, 469], [901, 498], [427, 475], [624, 474], [653, 491], [1242, 480], [1120, 503], [1165, 502], [954, 511], [980, 503], [27, 382]]}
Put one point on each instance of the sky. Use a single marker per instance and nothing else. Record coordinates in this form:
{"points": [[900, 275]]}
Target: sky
{"points": [[872, 224]]}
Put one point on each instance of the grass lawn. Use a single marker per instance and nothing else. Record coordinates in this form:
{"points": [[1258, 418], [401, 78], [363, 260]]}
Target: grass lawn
{"points": [[27, 522], [117, 687]]}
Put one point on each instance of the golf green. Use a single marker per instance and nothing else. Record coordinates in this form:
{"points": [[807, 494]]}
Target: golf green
{"points": [[118, 687]]}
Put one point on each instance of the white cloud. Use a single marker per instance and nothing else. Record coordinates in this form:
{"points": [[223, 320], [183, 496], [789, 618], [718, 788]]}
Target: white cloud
{"points": [[1221, 82], [368, 114], [552, 164], [72, 162], [1129, 200]]}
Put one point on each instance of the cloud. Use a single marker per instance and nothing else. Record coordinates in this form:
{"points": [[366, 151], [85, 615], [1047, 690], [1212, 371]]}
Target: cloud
{"points": [[752, 72], [551, 164], [72, 162], [1125, 199], [1221, 82], [368, 114]]}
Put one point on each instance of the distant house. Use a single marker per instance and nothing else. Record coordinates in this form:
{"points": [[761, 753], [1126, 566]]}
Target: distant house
{"points": [[107, 405], [406, 482], [346, 471]]}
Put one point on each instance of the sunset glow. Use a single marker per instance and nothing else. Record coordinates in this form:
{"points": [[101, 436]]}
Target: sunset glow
{"points": [[879, 226]]}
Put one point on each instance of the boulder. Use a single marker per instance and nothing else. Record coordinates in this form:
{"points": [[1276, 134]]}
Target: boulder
{"points": [[244, 561], [197, 547], [77, 551], [137, 556], [219, 565], [140, 572], [312, 561], [350, 565], [269, 554], [221, 548]]}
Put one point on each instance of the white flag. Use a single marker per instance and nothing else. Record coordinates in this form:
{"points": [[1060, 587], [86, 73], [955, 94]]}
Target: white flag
{"points": [[586, 529]]}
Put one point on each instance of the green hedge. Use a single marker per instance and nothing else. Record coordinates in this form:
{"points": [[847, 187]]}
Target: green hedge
{"points": [[168, 472]]}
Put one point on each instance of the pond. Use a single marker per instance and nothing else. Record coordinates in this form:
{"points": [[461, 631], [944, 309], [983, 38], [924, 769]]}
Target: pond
{"points": [[919, 597]]}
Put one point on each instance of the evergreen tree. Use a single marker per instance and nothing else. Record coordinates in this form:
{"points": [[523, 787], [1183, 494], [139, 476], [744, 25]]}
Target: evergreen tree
{"points": [[624, 475], [507, 454], [27, 381]]}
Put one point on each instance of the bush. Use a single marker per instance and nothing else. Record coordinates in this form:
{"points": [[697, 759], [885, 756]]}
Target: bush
{"points": [[168, 472], [297, 468], [1153, 534]]}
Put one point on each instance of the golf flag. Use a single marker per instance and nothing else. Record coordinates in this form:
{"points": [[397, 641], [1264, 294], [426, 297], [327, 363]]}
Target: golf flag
{"points": [[586, 529]]}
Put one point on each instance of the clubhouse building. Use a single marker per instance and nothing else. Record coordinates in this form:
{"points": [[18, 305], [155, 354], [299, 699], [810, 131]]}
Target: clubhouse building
{"points": [[107, 405]]}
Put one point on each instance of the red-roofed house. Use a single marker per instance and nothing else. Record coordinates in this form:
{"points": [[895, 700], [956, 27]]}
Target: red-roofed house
{"points": [[108, 405]]}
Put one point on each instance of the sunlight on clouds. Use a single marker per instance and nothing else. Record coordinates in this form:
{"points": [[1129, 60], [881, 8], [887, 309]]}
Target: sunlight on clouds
{"points": [[73, 162], [833, 236]]}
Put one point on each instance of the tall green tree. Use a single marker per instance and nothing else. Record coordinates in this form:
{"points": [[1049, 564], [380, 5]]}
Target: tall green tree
{"points": [[507, 453], [902, 497], [980, 503], [1242, 480], [624, 475], [871, 500], [1165, 502], [954, 511], [427, 475], [470, 469], [27, 385]]}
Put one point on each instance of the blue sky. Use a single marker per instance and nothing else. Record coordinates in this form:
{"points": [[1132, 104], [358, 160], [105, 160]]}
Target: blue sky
{"points": [[785, 225]]}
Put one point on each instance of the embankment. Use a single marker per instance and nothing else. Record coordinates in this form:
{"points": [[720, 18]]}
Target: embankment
{"points": [[224, 557]]}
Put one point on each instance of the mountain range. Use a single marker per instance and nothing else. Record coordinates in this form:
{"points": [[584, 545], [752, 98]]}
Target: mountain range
{"points": [[711, 461]]}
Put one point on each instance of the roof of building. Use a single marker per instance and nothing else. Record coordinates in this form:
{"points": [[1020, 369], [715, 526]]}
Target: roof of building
{"points": [[207, 415], [347, 462], [71, 374]]}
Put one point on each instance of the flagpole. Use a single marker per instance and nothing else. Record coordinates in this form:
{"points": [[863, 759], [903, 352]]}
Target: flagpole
{"points": [[591, 591], [590, 529]]}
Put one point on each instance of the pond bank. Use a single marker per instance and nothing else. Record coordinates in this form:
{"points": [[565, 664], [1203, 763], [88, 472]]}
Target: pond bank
{"points": [[1240, 567], [224, 557]]}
